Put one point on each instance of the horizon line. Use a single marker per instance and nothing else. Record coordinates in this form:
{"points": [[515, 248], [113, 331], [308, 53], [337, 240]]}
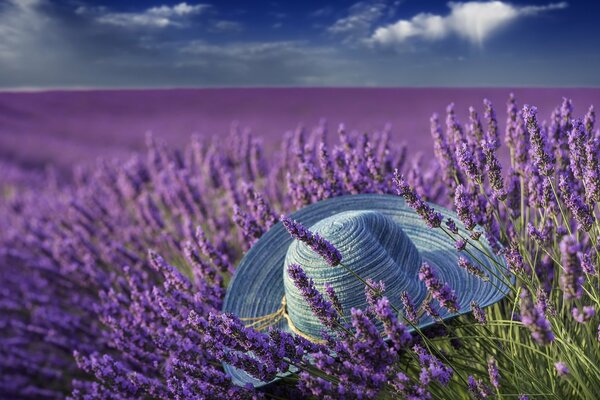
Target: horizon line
{"points": [[282, 87]]}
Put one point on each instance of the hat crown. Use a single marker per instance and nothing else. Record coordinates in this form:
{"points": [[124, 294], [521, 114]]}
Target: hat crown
{"points": [[372, 245]]}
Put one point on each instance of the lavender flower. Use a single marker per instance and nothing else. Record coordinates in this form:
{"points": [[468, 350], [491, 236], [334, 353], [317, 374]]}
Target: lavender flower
{"points": [[515, 260], [451, 225], [477, 388], [319, 244], [542, 159], [429, 215], [432, 368], [587, 265], [571, 279], [322, 308], [478, 313], [396, 331], [467, 162], [591, 174], [464, 207], [494, 171], [472, 269], [582, 212], [493, 373], [533, 318], [561, 368], [584, 315], [333, 298], [577, 153], [374, 291], [438, 290], [410, 312]]}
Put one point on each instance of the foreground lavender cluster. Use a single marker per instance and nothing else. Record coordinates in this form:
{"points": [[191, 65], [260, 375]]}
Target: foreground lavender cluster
{"points": [[111, 284], [85, 310]]}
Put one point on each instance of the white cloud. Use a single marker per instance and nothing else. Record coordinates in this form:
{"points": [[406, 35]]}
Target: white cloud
{"points": [[227, 26], [474, 21], [360, 19], [155, 17], [22, 25]]}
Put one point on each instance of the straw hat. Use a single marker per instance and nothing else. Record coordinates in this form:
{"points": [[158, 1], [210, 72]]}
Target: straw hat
{"points": [[380, 238]]}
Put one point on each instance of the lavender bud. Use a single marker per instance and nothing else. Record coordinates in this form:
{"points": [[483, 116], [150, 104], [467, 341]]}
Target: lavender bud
{"points": [[322, 309], [583, 316], [561, 368], [533, 318], [493, 373], [478, 313], [317, 243], [571, 279], [542, 159], [438, 290], [472, 269], [410, 312]]}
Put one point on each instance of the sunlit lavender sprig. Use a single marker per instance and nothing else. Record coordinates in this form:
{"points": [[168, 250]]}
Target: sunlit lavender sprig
{"points": [[542, 158], [471, 268], [319, 244], [322, 308], [493, 373], [410, 312], [430, 216], [478, 313], [534, 319], [571, 278], [438, 290]]}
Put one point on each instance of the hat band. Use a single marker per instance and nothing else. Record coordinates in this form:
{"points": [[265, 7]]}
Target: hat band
{"points": [[265, 321]]}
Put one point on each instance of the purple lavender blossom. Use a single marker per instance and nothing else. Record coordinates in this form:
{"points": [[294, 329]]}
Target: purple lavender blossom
{"points": [[584, 315], [443, 153], [333, 298], [540, 237], [451, 225], [319, 244], [472, 269], [432, 368], [582, 212], [493, 373], [571, 278], [587, 264], [534, 319], [477, 388], [410, 312], [430, 216], [561, 368], [542, 159], [466, 161], [322, 308], [577, 153], [478, 313], [494, 171], [396, 331], [515, 260], [438, 290], [464, 207], [374, 291]]}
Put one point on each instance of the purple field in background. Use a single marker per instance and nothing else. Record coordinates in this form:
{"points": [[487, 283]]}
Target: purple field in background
{"points": [[63, 128]]}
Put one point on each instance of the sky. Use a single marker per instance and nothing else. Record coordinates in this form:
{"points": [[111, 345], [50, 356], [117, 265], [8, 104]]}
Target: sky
{"points": [[225, 43]]}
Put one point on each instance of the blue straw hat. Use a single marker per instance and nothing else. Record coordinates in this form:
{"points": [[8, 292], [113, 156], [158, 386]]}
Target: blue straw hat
{"points": [[379, 237]]}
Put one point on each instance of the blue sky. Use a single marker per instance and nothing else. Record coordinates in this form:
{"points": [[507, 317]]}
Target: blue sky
{"points": [[162, 43]]}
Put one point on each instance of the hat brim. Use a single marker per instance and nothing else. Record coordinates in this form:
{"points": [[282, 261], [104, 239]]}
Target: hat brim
{"points": [[257, 286]]}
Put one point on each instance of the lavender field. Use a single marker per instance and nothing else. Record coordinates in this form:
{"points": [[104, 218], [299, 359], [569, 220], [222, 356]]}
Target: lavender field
{"points": [[62, 128], [119, 268]]}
